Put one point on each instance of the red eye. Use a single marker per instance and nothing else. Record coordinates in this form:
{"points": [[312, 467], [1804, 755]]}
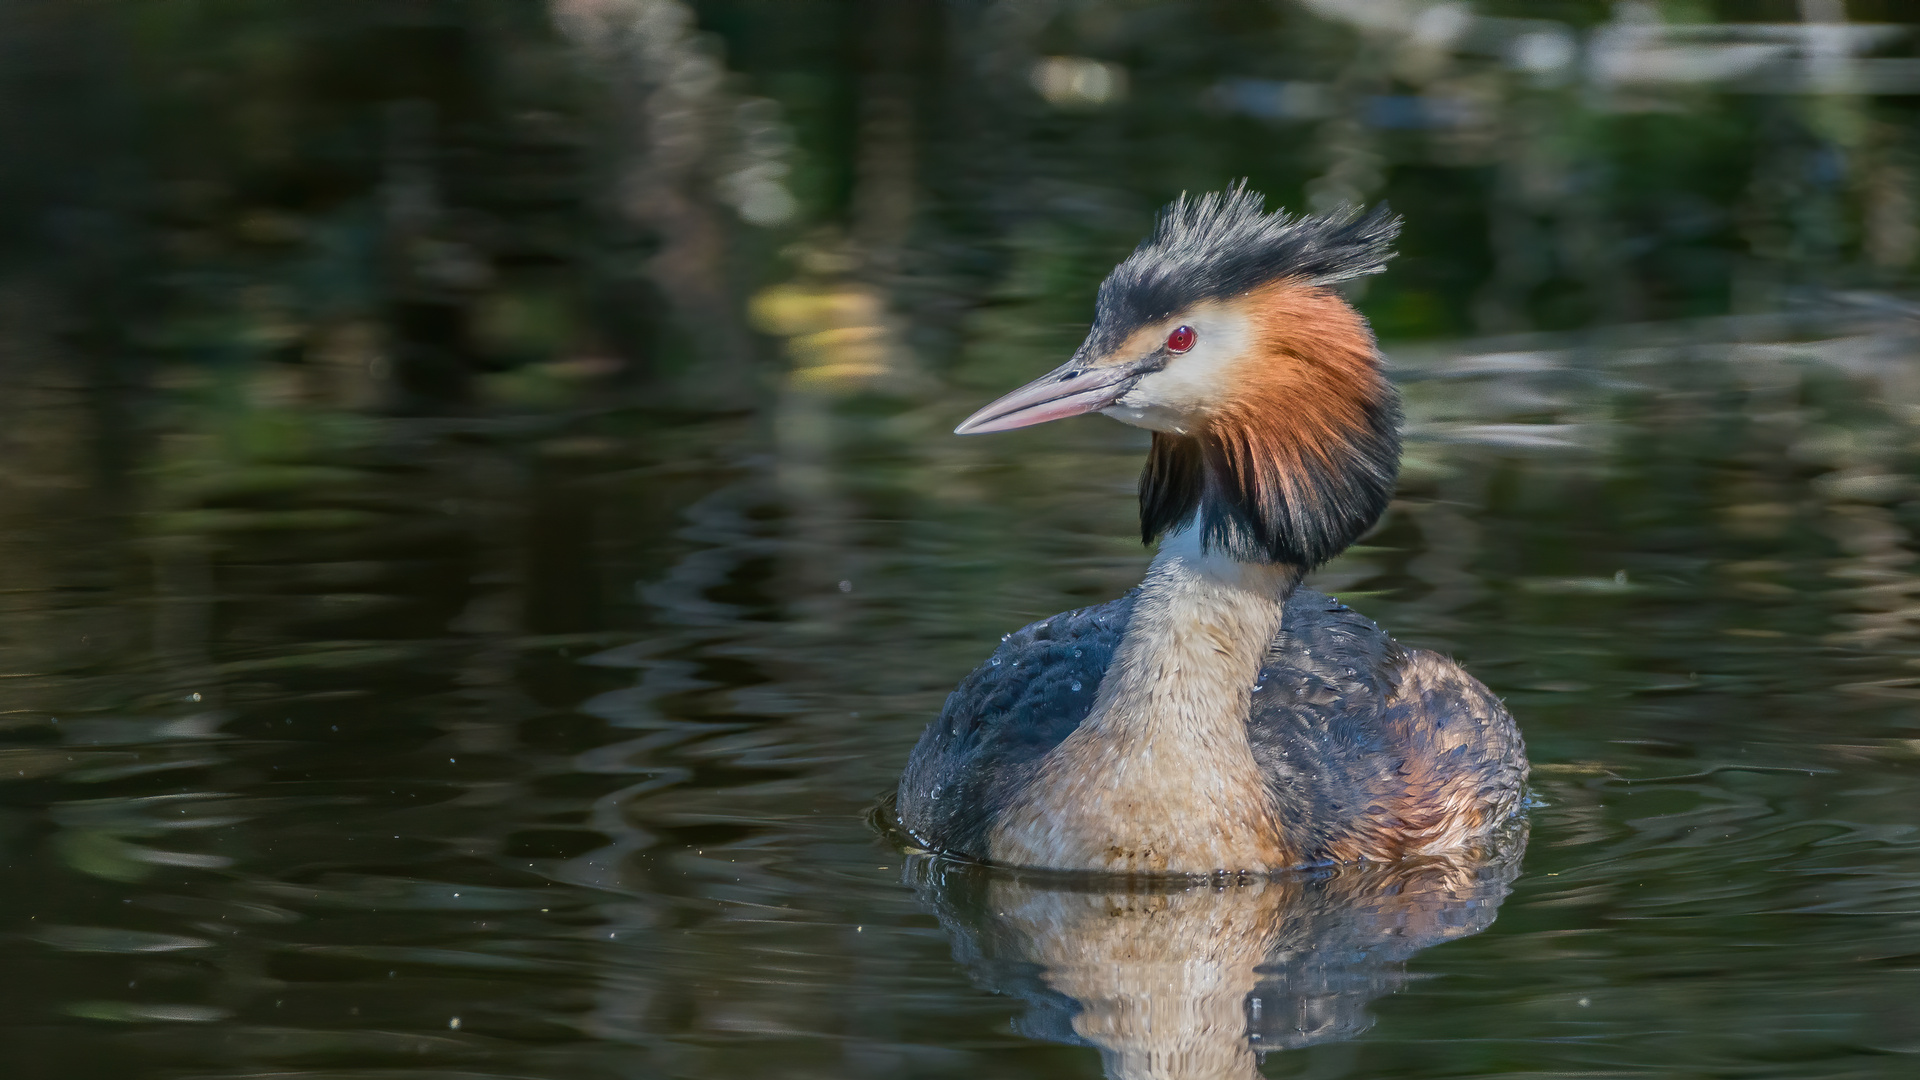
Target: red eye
{"points": [[1180, 340]]}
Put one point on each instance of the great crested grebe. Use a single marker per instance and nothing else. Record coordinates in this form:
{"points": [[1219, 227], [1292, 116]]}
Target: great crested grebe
{"points": [[1220, 717]]}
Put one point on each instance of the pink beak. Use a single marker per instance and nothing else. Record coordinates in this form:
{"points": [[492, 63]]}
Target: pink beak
{"points": [[1068, 390]]}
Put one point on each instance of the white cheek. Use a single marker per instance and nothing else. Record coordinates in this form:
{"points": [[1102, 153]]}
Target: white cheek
{"points": [[1177, 397]]}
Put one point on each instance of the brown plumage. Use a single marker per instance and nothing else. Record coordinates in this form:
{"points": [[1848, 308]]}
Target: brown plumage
{"points": [[1301, 443], [1220, 717]]}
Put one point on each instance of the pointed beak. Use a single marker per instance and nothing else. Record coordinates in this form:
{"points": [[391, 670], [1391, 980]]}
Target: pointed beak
{"points": [[1068, 390]]}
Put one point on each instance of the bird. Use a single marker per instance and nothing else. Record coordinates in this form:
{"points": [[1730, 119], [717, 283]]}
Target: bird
{"points": [[1221, 717]]}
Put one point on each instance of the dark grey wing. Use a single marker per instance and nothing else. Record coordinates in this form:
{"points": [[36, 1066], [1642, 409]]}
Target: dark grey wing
{"points": [[1030, 694], [1368, 745], [1315, 721]]}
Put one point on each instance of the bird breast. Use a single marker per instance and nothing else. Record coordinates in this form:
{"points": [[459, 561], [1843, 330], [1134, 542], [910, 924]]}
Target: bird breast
{"points": [[1161, 778]]}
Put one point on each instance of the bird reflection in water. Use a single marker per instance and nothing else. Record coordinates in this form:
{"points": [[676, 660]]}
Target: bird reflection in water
{"points": [[1198, 980]]}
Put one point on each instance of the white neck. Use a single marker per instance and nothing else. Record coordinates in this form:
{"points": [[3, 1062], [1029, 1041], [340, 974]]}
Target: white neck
{"points": [[1160, 777], [1199, 631]]}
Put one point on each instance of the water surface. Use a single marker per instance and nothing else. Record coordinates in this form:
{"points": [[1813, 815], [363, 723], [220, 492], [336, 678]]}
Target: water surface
{"points": [[482, 749]]}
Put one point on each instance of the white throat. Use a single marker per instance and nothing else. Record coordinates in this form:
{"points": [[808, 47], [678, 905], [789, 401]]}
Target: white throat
{"points": [[1160, 778]]}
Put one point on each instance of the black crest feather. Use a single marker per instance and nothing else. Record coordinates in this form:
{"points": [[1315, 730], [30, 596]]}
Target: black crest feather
{"points": [[1224, 243]]}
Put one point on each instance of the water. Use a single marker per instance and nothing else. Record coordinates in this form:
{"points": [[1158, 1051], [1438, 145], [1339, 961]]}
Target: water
{"points": [[441, 637], [483, 749]]}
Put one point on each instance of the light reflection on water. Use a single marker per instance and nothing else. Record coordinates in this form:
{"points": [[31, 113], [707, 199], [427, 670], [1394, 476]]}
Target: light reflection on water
{"points": [[476, 749], [1205, 980]]}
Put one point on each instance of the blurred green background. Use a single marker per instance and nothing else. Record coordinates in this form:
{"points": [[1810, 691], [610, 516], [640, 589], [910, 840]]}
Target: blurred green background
{"points": [[423, 206]]}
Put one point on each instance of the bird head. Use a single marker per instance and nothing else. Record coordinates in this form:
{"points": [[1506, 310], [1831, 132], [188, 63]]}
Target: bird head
{"points": [[1275, 431]]}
